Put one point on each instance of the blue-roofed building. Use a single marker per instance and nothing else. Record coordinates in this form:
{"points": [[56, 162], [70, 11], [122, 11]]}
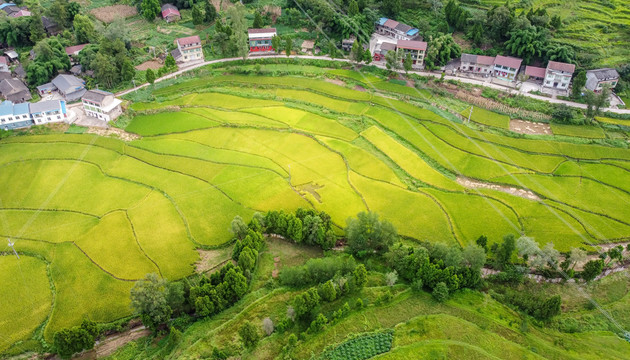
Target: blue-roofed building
{"points": [[2, 6], [14, 116], [396, 30]]}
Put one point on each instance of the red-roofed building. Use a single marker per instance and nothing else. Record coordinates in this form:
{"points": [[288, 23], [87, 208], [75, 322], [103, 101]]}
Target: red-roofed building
{"points": [[188, 49], [74, 50], [558, 75], [417, 50], [506, 67], [260, 39], [4, 64], [170, 13], [22, 12], [477, 64], [534, 72], [396, 30]]}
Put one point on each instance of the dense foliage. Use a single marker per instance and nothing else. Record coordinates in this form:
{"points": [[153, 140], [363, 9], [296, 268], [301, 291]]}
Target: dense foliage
{"points": [[361, 346]]}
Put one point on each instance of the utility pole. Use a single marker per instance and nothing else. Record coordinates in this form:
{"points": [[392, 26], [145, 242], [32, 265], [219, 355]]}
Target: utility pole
{"points": [[11, 246]]}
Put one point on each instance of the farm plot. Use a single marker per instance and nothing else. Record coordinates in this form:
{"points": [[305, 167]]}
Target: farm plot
{"points": [[101, 212], [486, 117], [584, 131]]}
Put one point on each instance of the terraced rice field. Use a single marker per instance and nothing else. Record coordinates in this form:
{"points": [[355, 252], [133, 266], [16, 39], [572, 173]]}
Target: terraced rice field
{"points": [[91, 215]]}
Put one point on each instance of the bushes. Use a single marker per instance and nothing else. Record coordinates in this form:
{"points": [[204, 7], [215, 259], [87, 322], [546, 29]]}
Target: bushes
{"points": [[317, 271], [77, 339], [222, 290], [535, 305], [305, 226]]}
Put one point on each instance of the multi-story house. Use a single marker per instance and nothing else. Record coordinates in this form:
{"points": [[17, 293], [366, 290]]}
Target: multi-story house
{"points": [[188, 49], [558, 75], [14, 116], [260, 39], [506, 67], [416, 49], [396, 30], [596, 79], [48, 111], [477, 64], [101, 105]]}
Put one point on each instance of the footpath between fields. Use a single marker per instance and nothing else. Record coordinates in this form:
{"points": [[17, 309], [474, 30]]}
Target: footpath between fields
{"points": [[421, 73]]}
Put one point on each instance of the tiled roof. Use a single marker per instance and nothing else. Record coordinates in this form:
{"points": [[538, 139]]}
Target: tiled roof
{"points": [[391, 23], [66, 82], [3, 60], [560, 66], [12, 86], [70, 50], [168, 6], [388, 46], [167, 12], [261, 31], [535, 71], [403, 27], [485, 60], [46, 105], [189, 40], [96, 95], [411, 44], [469, 58], [604, 74], [508, 61]]}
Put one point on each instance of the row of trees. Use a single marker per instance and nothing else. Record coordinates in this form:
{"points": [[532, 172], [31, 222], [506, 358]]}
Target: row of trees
{"points": [[305, 226]]}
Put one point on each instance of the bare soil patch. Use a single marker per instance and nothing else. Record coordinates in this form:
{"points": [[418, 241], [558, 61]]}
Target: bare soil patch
{"points": [[276, 270], [359, 88], [151, 64], [108, 346], [273, 11], [116, 132], [335, 81], [529, 127], [211, 259], [221, 4], [108, 14], [474, 184]]}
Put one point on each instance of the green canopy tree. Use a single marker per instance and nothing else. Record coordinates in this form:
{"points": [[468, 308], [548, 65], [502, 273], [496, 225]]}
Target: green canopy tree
{"points": [[367, 233], [528, 43], [83, 29], [149, 300], [440, 50], [258, 21], [150, 9], [579, 81], [210, 11], [238, 23], [198, 14], [150, 76]]}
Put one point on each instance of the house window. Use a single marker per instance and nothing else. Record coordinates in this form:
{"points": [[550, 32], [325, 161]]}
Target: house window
{"points": [[613, 83]]}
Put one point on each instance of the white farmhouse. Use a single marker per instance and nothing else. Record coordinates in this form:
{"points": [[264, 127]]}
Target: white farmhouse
{"points": [[101, 105]]}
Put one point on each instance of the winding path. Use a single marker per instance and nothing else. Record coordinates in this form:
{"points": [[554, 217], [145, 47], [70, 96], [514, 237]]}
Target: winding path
{"points": [[421, 73]]}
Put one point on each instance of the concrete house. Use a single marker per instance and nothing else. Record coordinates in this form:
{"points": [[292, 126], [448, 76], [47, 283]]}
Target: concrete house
{"points": [[396, 30], [170, 13], [101, 105], [382, 49], [506, 67], [48, 111], [477, 64], [4, 64], [70, 86], [558, 75], [596, 79], [14, 116], [14, 90], [417, 50], [188, 49], [260, 39]]}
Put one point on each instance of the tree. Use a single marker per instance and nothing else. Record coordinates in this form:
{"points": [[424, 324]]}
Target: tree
{"points": [[407, 63], [441, 49], [149, 299], [367, 56], [198, 14], [288, 45], [236, 284], [210, 11], [576, 255], [499, 22], [276, 43], [527, 248], [483, 242], [258, 21], [393, 60], [127, 71], [527, 43], [59, 12], [440, 292], [356, 54], [391, 8], [360, 276], [353, 8], [249, 334], [474, 257], [71, 341], [562, 114], [83, 29], [504, 253], [579, 81], [105, 71], [367, 233], [238, 227], [267, 326], [562, 53], [327, 291], [592, 269], [238, 23], [36, 27], [150, 76], [476, 34], [150, 9], [556, 22], [391, 278], [615, 253], [319, 323]]}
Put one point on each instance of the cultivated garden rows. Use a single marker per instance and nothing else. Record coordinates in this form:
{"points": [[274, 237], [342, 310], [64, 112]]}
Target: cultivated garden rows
{"points": [[94, 214]]}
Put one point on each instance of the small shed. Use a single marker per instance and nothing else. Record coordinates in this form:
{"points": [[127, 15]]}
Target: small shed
{"points": [[170, 13]]}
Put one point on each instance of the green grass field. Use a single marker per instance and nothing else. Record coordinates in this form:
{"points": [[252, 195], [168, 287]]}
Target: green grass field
{"points": [[101, 213], [579, 131]]}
